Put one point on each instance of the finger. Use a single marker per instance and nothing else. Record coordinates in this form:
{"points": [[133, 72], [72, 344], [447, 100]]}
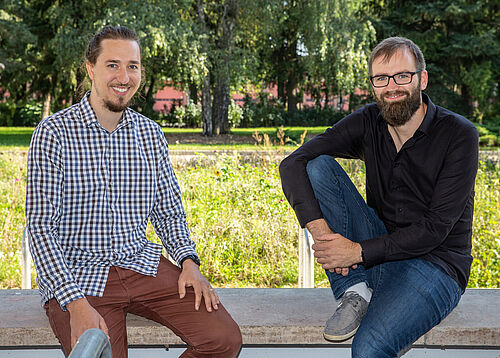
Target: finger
{"points": [[182, 288], [318, 247], [338, 270], [197, 296], [208, 298], [345, 271], [354, 267], [103, 326], [215, 298]]}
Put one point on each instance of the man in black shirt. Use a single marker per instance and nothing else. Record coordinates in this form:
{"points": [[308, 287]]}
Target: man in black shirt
{"points": [[399, 262]]}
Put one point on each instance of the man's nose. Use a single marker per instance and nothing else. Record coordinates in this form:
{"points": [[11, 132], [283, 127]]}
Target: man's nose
{"points": [[392, 84], [123, 76]]}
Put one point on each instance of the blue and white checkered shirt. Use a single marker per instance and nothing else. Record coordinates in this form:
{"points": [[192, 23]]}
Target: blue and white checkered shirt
{"points": [[89, 196]]}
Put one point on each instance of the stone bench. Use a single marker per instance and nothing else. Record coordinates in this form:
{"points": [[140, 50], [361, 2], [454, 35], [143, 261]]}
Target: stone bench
{"points": [[267, 317]]}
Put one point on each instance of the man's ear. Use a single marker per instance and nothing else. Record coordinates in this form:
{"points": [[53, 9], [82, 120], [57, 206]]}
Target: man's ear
{"points": [[423, 80], [90, 69]]}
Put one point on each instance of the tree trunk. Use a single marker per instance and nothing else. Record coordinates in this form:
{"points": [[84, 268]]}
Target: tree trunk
{"points": [[206, 100], [221, 106], [47, 100], [222, 69], [206, 108], [292, 98], [281, 91]]}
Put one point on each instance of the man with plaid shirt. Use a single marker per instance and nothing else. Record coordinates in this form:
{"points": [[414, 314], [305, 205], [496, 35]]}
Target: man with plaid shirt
{"points": [[97, 172]]}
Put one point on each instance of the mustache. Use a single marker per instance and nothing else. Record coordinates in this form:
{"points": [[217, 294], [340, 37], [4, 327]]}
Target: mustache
{"points": [[396, 93]]}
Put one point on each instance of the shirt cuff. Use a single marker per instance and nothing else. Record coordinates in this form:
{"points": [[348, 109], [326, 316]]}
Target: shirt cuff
{"points": [[66, 293], [373, 251]]}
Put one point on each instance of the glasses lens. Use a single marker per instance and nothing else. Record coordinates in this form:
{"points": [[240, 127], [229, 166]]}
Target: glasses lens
{"points": [[403, 78], [380, 81]]}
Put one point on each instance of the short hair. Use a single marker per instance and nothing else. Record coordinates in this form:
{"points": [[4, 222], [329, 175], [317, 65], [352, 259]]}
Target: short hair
{"points": [[108, 33], [391, 45]]}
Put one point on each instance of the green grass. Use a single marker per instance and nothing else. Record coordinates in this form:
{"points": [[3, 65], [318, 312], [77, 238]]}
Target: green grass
{"points": [[295, 131], [18, 138], [245, 230]]}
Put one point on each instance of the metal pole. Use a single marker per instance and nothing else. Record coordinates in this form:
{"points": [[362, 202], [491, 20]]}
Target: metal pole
{"points": [[306, 259], [93, 343], [26, 266]]}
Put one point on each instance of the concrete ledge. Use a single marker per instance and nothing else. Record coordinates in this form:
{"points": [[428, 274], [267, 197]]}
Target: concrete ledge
{"points": [[266, 317]]}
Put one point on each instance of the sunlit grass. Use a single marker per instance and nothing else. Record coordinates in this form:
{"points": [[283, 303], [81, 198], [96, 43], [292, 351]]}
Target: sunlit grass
{"points": [[244, 228]]}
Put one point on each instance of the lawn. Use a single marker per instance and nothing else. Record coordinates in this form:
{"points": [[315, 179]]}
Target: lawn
{"points": [[18, 138]]}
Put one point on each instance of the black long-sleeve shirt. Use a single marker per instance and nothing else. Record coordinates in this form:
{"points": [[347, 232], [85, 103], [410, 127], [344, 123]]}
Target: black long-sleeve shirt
{"points": [[424, 193]]}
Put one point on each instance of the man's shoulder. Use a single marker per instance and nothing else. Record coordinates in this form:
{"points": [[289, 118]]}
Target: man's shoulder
{"points": [[144, 122], [450, 120], [57, 121]]}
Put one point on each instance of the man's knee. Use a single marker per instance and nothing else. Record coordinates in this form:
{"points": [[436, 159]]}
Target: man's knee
{"points": [[321, 168], [371, 343], [225, 341]]}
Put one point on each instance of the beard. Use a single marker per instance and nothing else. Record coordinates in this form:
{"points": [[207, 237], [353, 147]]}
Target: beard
{"points": [[122, 103], [116, 107], [399, 113]]}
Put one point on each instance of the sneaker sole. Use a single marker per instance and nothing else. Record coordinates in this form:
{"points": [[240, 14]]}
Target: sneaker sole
{"points": [[344, 337]]}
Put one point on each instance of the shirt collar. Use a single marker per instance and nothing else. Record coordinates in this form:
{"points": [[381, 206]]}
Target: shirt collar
{"points": [[89, 117], [429, 115]]}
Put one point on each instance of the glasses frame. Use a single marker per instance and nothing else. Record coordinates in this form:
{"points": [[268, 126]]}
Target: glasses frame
{"points": [[394, 78]]}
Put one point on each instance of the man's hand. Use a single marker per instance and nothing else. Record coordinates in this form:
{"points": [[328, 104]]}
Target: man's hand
{"points": [[82, 317], [335, 252], [321, 232], [192, 277]]}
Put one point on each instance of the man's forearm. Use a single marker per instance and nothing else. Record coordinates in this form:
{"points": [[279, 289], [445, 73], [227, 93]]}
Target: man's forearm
{"points": [[318, 228]]}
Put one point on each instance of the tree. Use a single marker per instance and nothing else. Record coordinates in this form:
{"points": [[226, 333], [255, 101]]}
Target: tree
{"points": [[318, 46], [461, 43], [43, 43]]}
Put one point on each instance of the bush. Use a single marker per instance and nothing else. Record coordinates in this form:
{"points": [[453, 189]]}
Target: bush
{"points": [[235, 115], [271, 113], [487, 138], [30, 114], [188, 116], [7, 113]]}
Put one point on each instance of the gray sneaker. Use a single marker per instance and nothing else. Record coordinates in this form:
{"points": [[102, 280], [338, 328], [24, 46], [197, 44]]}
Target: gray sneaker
{"points": [[347, 318]]}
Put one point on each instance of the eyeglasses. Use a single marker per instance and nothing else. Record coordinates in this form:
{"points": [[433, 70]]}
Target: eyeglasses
{"points": [[402, 78]]}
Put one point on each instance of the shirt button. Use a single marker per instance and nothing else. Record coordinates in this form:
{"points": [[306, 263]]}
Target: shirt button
{"points": [[400, 210]]}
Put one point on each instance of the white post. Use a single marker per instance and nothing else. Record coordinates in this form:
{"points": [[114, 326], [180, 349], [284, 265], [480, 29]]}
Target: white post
{"points": [[26, 267], [306, 260]]}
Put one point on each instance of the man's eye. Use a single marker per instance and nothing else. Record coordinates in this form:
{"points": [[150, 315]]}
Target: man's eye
{"points": [[134, 67], [112, 65], [403, 76], [380, 78]]}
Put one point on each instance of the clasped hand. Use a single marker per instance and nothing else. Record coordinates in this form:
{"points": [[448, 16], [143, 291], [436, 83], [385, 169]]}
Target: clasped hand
{"points": [[336, 253]]}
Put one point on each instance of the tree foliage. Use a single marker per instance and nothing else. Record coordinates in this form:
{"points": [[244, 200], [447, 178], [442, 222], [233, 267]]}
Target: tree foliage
{"points": [[212, 48], [461, 43]]}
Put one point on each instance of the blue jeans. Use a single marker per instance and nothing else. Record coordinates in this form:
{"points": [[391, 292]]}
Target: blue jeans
{"points": [[409, 296]]}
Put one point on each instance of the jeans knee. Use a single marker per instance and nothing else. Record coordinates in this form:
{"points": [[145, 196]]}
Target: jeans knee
{"points": [[366, 344], [319, 168]]}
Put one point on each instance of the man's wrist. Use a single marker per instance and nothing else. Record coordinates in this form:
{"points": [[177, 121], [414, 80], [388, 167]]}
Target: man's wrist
{"points": [[193, 258]]}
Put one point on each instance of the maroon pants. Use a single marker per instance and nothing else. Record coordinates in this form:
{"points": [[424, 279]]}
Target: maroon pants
{"points": [[208, 334]]}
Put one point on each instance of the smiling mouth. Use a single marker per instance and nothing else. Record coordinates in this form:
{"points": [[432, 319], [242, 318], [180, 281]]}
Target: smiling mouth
{"points": [[120, 90], [392, 96]]}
